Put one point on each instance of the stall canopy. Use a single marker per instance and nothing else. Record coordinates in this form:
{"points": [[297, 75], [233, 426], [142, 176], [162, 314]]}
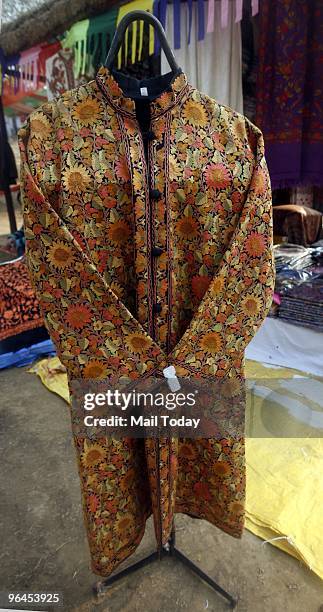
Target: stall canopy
{"points": [[23, 28]]}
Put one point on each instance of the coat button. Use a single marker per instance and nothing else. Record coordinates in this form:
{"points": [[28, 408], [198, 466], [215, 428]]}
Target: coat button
{"points": [[155, 194], [150, 135], [156, 251], [157, 307]]}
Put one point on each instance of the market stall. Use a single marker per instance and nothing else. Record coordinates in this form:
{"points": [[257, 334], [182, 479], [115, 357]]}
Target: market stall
{"points": [[240, 54]]}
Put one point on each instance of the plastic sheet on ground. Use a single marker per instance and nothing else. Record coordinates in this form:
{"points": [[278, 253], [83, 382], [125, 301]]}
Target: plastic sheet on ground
{"points": [[284, 475]]}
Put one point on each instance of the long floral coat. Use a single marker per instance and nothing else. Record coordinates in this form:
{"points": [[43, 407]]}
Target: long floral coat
{"points": [[92, 225]]}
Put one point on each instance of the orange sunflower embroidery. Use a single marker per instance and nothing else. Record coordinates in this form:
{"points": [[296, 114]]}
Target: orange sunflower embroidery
{"points": [[93, 455], [124, 523], [195, 114], [236, 507], [78, 316], [165, 99], [230, 388], [221, 468], [217, 176], [94, 369], [212, 342], [119, 232], [255, 244], [188, 451], [217, 286], [60, 255], [87, 111], [187, 227], [40, 125], [251, 305], [138, 343], [76, 179]]}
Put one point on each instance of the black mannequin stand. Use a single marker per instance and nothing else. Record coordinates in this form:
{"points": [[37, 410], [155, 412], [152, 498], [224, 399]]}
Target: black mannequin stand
{"points": [[169, 550]]}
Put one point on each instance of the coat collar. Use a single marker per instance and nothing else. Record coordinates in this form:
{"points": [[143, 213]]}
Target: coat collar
{"points": [[169, 89]]}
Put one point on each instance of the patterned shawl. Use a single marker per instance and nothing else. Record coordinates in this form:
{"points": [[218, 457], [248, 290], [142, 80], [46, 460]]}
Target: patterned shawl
{"points": [[290, 90]]}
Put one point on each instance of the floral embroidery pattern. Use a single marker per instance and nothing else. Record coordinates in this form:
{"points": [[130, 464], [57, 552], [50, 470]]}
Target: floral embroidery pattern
{"points": [[90, 228]]}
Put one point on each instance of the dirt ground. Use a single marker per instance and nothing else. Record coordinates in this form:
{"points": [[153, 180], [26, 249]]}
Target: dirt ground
{"points": [[43, 541]]}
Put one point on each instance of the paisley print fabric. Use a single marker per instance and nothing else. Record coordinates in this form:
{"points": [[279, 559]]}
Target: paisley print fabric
{"points": [[94, 213], [290, 77]]}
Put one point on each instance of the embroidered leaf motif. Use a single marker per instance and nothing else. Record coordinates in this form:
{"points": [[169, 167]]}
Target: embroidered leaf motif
{"points": [[29, 234], [84, 343], [180, 193], [47, 240], [78, 142], [201, 198], [188, 211], [48, 297], [208, 143], [180, 135], [203, 271], [65, 283], [112, 348]]}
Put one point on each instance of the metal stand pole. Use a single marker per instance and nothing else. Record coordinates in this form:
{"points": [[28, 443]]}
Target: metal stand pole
{"points": [[169, 550]]}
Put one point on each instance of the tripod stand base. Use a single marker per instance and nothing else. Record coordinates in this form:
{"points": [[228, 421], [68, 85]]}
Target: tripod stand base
{"points": [[169, 550]]}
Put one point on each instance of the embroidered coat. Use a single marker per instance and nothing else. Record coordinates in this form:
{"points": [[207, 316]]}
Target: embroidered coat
{"points": [[118, 221]]}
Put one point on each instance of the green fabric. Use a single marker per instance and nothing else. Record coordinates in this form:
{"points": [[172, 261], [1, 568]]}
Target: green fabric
{"points": [[76, 38], [104, 25]]}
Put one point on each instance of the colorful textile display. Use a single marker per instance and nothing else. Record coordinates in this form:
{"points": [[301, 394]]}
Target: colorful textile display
{"points": [[29, 68], [289, 91], [19, 309], [46, 52], [212, 65], [76, 40], [143, 5], [99, 36], [210, 14], [59, 73], [149, 249]]}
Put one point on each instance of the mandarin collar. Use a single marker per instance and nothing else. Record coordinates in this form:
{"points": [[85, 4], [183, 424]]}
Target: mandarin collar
{"points": [[175, 90]]}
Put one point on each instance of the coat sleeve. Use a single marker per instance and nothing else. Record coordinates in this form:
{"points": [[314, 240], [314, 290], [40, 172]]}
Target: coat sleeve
{"points": [[240, 295], [94, 333]]}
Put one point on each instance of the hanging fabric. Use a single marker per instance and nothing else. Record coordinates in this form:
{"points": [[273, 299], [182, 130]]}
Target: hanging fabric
{"points": [[289, 90], [210, 16], [76, 39], [159, 10], [213, 65], [143, 5], [99, 35], [45, 53], [59, 73], [239, 10], [28, 66]]}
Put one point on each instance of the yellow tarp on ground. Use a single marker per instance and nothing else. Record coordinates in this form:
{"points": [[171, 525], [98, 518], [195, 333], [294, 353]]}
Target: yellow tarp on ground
{"points": [[284, 474]]}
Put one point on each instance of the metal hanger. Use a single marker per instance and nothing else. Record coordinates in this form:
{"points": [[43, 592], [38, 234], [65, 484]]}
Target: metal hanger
{"points": [[120, 32]]}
